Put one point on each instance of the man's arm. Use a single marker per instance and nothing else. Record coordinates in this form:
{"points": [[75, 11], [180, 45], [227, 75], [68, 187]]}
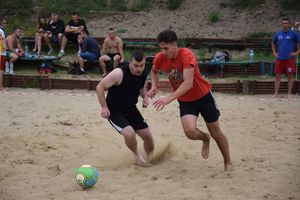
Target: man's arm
{"points": [[274, 50], [113, 78], [186, 85], [143, 94], [103, 49], [120, 49], [154, 81]]}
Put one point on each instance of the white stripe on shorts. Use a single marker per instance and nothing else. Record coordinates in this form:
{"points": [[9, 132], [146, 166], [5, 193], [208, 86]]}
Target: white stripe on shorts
{"points": [[119, 129]]}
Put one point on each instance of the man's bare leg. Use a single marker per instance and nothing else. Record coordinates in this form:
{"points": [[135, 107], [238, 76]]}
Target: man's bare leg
{"points": [[277, 84], [146, 136], [290, 85], [131, 142], [222, 142], [189, 123]]}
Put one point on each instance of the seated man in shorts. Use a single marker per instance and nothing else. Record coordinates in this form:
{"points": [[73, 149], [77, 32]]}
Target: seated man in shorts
{"points": [[112, 50], [72, 31], [90, 50], [14, 48], [54, 31]]}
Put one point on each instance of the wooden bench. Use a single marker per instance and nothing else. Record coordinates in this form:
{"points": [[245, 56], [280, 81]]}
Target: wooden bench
{"points": [[144, 45]]}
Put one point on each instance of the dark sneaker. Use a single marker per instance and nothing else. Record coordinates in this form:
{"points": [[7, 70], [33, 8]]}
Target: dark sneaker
{"points": [[80, 72]]}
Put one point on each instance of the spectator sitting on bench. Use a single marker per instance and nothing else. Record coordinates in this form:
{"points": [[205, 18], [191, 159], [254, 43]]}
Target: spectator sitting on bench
{"points": [[14, 47], [112, 50], [90, 50], [72, 31], [40, 31], [3, 25], [55, 31]]}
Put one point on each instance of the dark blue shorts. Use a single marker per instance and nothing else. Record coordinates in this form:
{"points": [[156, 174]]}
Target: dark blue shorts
{"points": [[132, 117], [206, 106], [54, 39]]}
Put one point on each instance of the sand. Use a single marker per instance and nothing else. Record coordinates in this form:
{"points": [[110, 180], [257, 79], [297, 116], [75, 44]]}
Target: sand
{"points": [[46, 135], [191, 19]]}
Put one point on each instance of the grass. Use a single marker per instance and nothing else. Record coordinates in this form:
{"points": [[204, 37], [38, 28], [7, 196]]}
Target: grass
{"points": [[245, 4], [213, 16], [260, 34], [173, 4]]}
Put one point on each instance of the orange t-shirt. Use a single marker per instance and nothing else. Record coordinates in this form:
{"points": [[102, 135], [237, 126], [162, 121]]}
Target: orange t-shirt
{"points": [[173, 68]]}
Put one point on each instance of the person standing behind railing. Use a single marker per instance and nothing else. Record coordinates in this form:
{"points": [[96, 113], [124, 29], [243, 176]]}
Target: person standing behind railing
{"points": [[284, 45]]}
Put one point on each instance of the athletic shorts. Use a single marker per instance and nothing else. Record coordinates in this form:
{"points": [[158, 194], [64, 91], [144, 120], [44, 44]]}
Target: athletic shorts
{"points": [[72, 37], [2, 62], [122, 119], [54, 39], [206, 106], [285, 66], [112, 55], [88, 56]]}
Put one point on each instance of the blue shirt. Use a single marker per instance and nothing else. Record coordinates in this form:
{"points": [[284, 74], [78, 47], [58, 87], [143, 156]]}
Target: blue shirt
{"points": [[286, 43], [90, 45]]}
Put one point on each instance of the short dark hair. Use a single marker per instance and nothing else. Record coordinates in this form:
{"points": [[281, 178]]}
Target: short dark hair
{"points": [[111, 29], [167, 36], [74, 13], [285, 19], [137, 55], [84, 30]]}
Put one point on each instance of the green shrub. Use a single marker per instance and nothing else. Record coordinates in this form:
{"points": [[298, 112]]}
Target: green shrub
{"points": [[260, 34], [247, 3], [290, 4], [16, 7], [141, 5], [214, 17], [173, 4]]}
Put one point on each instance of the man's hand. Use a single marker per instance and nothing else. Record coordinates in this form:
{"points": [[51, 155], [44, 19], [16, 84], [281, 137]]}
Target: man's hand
{"points": [[160, 103], [152, 92], [121, 60], [293, 54], [145, 102], [105, 113], [275, 54]]}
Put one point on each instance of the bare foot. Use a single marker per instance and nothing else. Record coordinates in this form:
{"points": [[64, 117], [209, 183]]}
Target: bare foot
{"points": [[228, 168], [289, 97], [275, 95], [205, 146], [139, 161]]}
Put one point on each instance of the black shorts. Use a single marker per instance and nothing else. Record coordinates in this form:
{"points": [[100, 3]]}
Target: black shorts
{"points": [[132, 117], [112, 55], [72, 37], [205, 105]]}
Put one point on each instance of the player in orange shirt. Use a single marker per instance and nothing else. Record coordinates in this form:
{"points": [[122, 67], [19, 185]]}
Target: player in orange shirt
{"points": [[192, 92]]}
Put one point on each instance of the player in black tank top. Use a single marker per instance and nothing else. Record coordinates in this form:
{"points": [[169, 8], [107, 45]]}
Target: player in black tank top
{"points": [[124, 86]]}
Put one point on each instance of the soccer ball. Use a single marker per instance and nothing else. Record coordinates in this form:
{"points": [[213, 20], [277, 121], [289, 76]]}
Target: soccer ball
{"points": [[86, 176]]}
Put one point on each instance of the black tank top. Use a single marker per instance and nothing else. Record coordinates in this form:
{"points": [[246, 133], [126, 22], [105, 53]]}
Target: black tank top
{"points": [[125, 96]]}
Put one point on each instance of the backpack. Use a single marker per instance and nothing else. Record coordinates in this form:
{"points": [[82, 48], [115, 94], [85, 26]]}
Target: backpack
{"points": [[221, 56], [46, 68]]}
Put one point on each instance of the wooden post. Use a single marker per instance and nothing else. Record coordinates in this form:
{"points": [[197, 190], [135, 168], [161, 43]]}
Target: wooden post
{"points": [[245, 87]]}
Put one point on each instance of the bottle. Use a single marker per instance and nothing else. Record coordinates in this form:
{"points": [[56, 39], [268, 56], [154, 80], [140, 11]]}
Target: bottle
{"points": [[6, 67], [26, 51], [11, 68], [251, 55]]}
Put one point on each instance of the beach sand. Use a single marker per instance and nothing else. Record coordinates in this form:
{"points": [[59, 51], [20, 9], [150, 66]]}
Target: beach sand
{"points": [[46, 135]]}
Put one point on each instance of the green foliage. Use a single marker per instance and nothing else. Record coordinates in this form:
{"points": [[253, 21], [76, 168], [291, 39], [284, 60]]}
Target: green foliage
{"points": [[118, 5], [67, 6], [246, 3], [260, 34], [141, 5], [183, 42], [173, 4], [16, 7], [290, 4], [214, 16]]}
